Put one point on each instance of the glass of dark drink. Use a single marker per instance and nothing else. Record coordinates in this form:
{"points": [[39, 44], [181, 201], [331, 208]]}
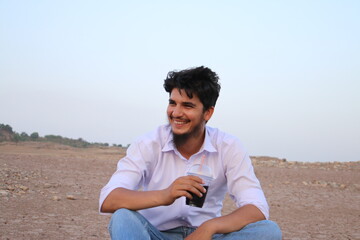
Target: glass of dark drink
{"points": [[204, 172]]}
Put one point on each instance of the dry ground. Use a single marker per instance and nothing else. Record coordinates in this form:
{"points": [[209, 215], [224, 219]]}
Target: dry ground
{"points": [[50, 191]]}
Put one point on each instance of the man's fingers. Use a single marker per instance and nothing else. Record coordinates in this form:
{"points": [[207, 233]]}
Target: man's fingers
{"points": [[196, 179], [187, 185], [197, 189]]}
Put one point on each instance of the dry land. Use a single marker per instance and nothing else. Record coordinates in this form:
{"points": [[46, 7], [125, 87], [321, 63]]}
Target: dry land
{"points": [[50, 191]]}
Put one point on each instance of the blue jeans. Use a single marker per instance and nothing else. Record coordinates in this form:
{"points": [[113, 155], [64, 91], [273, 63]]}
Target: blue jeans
{"points": [[131, 225]]}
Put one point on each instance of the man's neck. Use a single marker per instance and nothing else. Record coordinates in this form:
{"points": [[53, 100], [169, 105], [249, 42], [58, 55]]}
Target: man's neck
{"points": [[191, 146]]}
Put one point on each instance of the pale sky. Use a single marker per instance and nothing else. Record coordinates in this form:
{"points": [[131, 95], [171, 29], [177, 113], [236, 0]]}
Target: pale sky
{"points": [[289, 70]]}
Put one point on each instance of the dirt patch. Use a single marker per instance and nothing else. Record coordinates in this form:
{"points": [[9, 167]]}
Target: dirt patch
{"points": [[50, 191]]}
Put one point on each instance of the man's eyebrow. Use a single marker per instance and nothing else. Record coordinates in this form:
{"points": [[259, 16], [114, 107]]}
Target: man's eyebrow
{"points": [[189, 104], [183, 103]]}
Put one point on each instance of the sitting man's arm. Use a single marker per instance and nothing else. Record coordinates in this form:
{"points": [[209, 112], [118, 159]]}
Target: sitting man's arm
{"points": [[130, 199], [136, 200], [229, 223]]}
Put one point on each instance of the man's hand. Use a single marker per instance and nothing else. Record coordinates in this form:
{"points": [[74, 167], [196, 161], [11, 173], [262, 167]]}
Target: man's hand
{"points": [[226, 224], [182, 187], [204, 232]]}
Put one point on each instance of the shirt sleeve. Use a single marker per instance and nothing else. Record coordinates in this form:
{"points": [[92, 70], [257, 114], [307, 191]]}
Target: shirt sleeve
{"points": [[129, 173], [244, 187]]}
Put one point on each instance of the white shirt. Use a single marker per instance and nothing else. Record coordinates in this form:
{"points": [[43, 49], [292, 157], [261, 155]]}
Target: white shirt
{"points": [[153, 163]]}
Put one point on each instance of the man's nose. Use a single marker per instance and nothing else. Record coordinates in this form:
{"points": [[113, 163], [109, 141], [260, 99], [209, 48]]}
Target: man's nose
{"points": [[177, 112]]}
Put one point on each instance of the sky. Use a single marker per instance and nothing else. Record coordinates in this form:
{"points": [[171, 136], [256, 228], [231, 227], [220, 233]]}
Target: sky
{"points": [[289, 70]]}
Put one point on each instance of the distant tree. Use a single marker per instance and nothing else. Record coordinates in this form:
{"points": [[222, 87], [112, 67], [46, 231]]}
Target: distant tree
{"points": [[6, 128], [17, 137], [24, 136], [34, 136], [53, 137]]}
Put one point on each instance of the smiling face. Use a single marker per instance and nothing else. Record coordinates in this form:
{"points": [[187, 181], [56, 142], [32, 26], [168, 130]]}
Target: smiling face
{"points": [[186, 115]]}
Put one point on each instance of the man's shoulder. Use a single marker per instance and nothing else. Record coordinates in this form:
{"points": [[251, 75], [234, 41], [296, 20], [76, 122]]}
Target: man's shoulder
{"points": [[224, 140], [219, 135]]}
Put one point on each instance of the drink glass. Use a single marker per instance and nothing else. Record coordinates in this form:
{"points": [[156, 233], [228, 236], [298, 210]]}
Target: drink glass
{"points": [[204, 172]]}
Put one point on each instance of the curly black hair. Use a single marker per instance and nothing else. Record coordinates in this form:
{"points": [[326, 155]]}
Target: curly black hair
{"points": [[201, 81]]}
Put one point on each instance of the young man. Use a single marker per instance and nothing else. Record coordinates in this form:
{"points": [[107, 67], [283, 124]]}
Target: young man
{"points": [[158, 162]]}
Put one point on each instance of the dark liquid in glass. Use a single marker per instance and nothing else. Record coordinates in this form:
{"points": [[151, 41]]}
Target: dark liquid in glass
{"points": [[197, 201]]}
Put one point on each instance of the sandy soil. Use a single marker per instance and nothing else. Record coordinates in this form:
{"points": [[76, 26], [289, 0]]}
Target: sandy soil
{"points": [[50, 191]]}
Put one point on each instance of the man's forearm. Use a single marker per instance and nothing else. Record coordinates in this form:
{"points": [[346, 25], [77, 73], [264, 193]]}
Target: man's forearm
{"points": [[235, 220], [136, 200], [129, 199]]}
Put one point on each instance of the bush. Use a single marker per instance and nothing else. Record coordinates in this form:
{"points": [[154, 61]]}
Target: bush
{"points": [[24, 136], [16, 137], [34, 136], [6, 128]]}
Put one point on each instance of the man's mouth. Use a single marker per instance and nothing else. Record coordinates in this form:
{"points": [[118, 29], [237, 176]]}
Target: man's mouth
{"points": [[180, 121]]}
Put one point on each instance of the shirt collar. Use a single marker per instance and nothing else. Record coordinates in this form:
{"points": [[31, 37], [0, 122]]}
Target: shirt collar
{"points": [[207, 146]]}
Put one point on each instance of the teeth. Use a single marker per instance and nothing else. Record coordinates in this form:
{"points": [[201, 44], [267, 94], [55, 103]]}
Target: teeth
{"points": [[179, 122]]}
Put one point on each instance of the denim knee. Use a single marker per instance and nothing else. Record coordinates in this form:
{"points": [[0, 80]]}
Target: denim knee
{"points": [[272, 229], [130, 225], [122, 215], [123, 220]]}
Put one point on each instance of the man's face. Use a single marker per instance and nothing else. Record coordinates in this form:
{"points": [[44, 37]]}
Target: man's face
{"points": [[186, 115]]}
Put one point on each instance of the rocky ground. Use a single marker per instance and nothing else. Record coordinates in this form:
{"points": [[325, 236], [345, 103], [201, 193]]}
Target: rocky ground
{"points": [[50, 191]]}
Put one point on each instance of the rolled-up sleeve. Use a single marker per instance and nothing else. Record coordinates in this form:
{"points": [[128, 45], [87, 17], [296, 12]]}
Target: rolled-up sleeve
{"points": [[243, 185], [129, 173]]}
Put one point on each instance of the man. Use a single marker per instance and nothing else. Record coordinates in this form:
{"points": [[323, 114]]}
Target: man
{"points": [[158, 162]]}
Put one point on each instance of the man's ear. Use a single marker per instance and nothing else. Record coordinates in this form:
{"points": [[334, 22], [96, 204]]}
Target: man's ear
{"points": [[208, 113]]}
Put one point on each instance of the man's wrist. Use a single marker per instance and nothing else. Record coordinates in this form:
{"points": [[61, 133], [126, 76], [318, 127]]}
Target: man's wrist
{"points": [[209, 226]]}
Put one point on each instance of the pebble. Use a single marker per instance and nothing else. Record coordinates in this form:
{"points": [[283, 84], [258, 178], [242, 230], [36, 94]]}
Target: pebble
{"points": [[70, 197], [24, 188], [4, 193], [56, 198]]}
